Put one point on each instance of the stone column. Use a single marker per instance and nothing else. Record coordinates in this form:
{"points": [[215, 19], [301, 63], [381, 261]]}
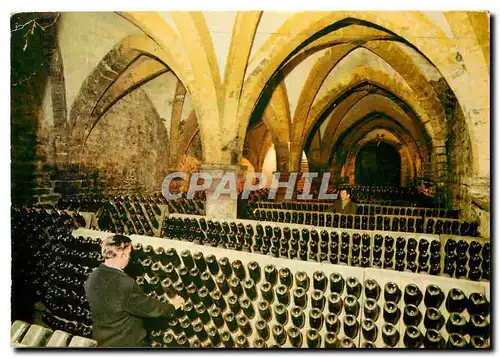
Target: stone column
{"points": [[282, 156], [224, 206], [295, 156]]}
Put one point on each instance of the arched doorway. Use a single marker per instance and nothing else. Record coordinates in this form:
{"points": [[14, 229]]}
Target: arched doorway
{"points": [[378, 163]]}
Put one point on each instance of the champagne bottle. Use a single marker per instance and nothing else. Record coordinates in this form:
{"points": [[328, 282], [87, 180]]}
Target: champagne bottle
{"points": [[313, 338], [412, 315], [351, 326], [433, 319], [262, 329], [433, 339], [390, 335], [279, 334], [369, 330], [295, 337], [298, 317]]}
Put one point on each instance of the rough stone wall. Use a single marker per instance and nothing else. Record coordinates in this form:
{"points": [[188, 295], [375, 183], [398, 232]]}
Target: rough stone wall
{"points": [[126, 151], [195, 150], [128, 147], [460, 175], [31, 53], [457, 192]]}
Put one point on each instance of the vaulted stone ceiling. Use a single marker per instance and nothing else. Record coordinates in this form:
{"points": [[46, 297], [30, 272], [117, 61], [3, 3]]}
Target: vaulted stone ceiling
{"points": [[286, 68], [301, 81]]}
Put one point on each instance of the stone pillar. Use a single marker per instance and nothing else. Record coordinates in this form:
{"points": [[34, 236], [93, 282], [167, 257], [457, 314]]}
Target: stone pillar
{"points": [[224, 206], [295, 156], [282, 156], [281, 191]]}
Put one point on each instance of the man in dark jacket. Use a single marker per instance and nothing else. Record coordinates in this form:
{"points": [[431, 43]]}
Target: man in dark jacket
{"points": [[117, 303], [345, 205]]}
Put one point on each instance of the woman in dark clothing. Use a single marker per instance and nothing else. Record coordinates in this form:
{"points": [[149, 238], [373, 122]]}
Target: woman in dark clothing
{"points": [[117, 303]]}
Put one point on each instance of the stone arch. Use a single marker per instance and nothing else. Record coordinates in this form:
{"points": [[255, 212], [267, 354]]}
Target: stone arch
{"points": [[314, 151], [190, 59], [267, 144], [168, 48], [82, 114], [276, 118], [390, 54], [191, 48], [354, 134], [427, 37], [276, 115], [94, 87], [363, 107], [257, 144], [380, 121], [363, 76], [409, 164], [188, 134], [435, 120]]}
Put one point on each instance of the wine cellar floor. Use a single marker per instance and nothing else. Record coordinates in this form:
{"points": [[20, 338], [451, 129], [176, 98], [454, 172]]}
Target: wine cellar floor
{"points": [[382, 276]]}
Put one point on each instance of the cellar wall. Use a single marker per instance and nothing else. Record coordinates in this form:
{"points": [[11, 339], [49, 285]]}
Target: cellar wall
{"points": [[128, 147]]}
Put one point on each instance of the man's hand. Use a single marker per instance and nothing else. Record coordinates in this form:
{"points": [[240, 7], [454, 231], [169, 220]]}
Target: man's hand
{"points": [[177, 302]]}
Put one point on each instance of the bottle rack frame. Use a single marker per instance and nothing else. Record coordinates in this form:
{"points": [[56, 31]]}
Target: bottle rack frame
{"points": [[395, 234], [159, 218], [273, 215], [322, 206]]}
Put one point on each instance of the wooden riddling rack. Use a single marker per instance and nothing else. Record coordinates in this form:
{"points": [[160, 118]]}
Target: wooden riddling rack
{"points": [[395, 234], [159, 218], [89, 217], [361, 274]]}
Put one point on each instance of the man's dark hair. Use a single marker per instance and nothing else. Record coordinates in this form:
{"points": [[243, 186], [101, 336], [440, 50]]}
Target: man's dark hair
{"points": [[111, 245], [346, 188]]}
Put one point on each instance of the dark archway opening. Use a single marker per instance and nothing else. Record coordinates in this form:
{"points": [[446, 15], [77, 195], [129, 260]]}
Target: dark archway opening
{"points": [[378, 164]]}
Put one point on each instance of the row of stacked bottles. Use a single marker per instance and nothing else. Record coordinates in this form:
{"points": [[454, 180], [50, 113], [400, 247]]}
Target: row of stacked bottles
{"points": [[362, 209], [461, 258], [416, 224], [49, 266], [230, 304], [400, 196]]}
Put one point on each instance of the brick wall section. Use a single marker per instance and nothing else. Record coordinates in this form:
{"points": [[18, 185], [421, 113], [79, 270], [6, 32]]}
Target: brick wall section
{"points": [[59, 108], [125, 153]]}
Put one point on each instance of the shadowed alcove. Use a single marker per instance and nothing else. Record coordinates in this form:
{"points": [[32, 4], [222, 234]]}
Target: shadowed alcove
{"points": [[378, 163]]}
